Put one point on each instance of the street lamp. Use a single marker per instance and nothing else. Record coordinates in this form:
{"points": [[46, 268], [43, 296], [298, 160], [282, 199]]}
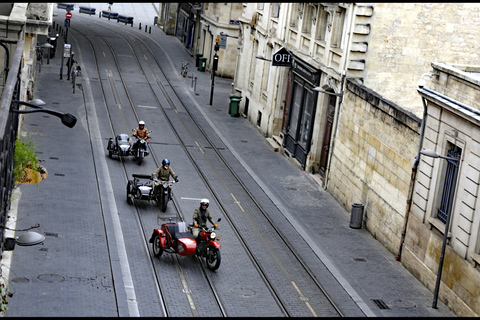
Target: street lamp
{"points": [[67, 119], [318, 89], [262, 58], [49, 47], [226, 35], [433, 154]]}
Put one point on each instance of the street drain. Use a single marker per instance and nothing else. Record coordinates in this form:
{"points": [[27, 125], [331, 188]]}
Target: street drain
{"points": [[360, 259], [380, 304], [54, 158], [106, 283], [244, 292], [50, 234], [59, 174], [20, 280], [403, 304], [51, 277]]}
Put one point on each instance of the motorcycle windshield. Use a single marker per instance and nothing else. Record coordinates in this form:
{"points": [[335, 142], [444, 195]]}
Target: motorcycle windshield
{"points": [[123, 137], [182, 227]]}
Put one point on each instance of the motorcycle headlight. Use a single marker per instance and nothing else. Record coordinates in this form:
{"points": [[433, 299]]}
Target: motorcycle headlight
{"points": [[181, 248], [212, 235]]}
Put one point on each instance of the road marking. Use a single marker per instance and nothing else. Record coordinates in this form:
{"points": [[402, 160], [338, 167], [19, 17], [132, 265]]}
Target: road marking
{"points": [[199, 147], [237, 202], [303, 298]]}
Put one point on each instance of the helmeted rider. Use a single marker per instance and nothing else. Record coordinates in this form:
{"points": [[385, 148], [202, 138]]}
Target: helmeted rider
{"points": [[140, 133], [164, 172], [200, 217]]}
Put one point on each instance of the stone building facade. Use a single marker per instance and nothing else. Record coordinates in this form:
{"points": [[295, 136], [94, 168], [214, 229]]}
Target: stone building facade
{"points": [[27, 22], [452, 128], [346, 107]]}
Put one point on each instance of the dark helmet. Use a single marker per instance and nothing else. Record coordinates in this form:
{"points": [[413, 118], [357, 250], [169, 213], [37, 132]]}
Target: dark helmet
{"points": [[165, 162], [204, 202]]}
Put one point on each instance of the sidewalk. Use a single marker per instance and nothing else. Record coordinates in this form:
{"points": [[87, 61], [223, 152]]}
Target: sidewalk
{"points": [[366, 270]]}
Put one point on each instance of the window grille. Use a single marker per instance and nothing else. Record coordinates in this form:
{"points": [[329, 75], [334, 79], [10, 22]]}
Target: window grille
{"points": [[449, 185]]}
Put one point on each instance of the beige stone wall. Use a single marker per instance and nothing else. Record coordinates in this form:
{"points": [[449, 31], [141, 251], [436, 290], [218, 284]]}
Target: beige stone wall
{"points": [[372, 161], [406, 37], [448, 124]]}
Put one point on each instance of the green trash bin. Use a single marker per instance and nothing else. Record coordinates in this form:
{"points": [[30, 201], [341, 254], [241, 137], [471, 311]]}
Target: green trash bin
{"points": [[233, 107], [202, 63]]}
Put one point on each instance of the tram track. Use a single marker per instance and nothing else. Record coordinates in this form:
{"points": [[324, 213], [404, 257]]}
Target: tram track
{"points": [[138, 216], [212, 161]]}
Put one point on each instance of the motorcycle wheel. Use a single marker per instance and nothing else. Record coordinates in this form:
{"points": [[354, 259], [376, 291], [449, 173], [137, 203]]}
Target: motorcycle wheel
{"points": [[140, 158], [213, 258], [164, 202], [157, 249], [129, 196]]}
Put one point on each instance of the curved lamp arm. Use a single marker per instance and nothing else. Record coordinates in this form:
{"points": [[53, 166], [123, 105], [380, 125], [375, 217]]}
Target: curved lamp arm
{"points": [[67, 119]]}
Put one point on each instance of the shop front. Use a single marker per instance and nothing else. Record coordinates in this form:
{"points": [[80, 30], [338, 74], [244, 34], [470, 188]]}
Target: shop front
{"points": [[301, 110]]}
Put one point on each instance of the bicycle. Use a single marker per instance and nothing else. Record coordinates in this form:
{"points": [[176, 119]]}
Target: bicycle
{"points": [[184, 70]]}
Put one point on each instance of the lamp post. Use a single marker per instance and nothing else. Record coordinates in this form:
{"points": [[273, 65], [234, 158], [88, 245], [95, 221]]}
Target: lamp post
{"points": [[228, 36], [433, 154], [262, 58], [67, 119]]}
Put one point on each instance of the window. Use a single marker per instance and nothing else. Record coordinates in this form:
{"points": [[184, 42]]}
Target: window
{"points": [[294, 15], [260, 6], [321, 31], [338, 28], [275, 10], [449, 184], [253, 62], [259, 118], [307, 19], [266, 70], [307, 118]]}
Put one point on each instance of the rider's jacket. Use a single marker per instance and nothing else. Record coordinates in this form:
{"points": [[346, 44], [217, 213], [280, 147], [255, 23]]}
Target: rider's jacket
{"points": [[163, 174], [197, 216], [141, 133]]}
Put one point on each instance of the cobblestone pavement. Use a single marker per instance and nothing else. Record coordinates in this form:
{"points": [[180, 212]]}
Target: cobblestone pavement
{"points": [[52, 279]]}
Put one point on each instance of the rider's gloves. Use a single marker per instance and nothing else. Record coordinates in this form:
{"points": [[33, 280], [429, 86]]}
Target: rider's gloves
{"points": [[176, 179], [195, 225], [215, 225]]}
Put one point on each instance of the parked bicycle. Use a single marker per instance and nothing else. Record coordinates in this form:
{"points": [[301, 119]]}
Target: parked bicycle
{"points": [[184, 70]]}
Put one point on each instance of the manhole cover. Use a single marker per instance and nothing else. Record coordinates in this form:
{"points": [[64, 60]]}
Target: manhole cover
{"points": [[403, 304], [244, 292], [20, 280], [51, 277]]}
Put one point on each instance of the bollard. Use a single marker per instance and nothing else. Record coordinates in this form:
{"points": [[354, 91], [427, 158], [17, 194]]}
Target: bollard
{"points": [[193, 76], [195, 85], [145, 28], [140, 26], [150, 30], [100, 14]]}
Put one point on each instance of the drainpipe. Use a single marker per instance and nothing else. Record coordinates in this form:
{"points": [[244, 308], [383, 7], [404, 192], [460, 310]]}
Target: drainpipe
{"points": [[412, 178], [342, 88]]}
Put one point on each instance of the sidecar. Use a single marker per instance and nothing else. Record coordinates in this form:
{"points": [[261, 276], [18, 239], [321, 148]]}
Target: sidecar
{"points": [[140, 188], [173, 238], [120, 147]]}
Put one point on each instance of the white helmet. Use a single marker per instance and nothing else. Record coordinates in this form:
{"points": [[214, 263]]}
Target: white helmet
{"points": [[140, 123], [204, 202]]}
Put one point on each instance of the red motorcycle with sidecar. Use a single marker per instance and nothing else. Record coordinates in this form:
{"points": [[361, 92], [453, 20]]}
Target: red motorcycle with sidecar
{"points": [[177, 238]]}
